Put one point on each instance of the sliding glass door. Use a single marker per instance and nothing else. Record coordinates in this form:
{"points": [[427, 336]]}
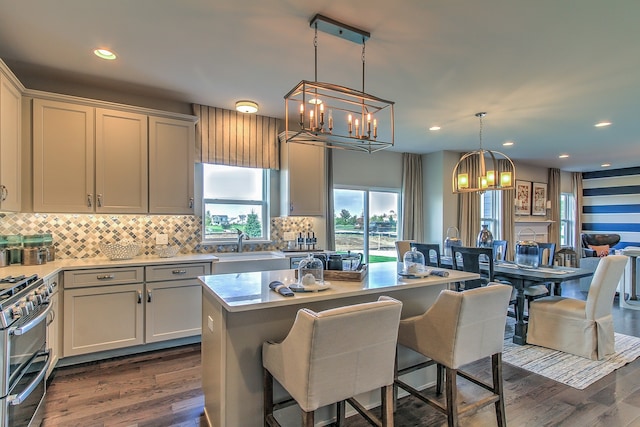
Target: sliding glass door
{"points": [[366, 221]]}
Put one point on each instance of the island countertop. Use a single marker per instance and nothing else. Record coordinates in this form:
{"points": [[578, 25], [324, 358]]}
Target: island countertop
{"points": [[250, 291]]}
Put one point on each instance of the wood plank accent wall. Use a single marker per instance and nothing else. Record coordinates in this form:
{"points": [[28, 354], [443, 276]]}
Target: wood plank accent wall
{"points": [[611, 204], [236, 139]]}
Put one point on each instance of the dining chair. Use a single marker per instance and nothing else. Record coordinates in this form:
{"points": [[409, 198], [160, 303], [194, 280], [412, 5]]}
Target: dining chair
{"points": [[583, 328], [328, 357], [499, 250], [459, 328], [402, 247], [431, 252], [468, 259]]}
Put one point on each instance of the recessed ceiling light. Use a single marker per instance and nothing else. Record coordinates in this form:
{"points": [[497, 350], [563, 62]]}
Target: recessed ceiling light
{"points": [[105, 54], [602, 124], [563, 156], [434, 128], [248, 107], [605, 165], [507, 143]]}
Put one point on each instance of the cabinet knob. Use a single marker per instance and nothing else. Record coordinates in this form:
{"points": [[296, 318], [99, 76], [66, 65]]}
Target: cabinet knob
{"points": [[89, 200], [139, 297], [191, 203], [148, 295], [99, 200], [3, 193], [105, 276], [179, 271], [291, 207]]}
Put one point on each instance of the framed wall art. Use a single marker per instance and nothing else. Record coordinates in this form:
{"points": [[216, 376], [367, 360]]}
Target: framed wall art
{"points": [[539, 199], [523, 197]]}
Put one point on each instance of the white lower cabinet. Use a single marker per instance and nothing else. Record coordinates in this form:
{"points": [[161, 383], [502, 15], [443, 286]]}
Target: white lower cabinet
{"points": [[112, 308], [53, 323]]}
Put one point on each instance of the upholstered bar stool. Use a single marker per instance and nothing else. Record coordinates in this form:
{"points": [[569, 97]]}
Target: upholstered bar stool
{"points": [[460, 328], [331, 356]]}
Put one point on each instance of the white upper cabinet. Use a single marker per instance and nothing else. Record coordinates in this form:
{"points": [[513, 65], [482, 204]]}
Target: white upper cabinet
{"points": [[302, 180], [10, 145], [171, 165]]}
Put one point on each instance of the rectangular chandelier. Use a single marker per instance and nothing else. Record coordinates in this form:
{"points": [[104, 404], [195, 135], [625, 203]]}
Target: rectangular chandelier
{"points": [[335, 116]]}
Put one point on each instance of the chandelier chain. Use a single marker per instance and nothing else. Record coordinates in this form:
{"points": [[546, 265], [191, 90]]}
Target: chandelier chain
{"points": [[481, 132], [315, 47], [363, 61]]}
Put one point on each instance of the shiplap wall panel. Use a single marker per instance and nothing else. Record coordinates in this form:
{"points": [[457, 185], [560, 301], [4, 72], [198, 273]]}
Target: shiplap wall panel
{"points": [[237, 139], [611, 204]]}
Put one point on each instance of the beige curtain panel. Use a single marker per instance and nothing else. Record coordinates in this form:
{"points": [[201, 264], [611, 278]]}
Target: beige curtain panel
{"points": [[554, 198], [226, 137], [412, 217], [469, 205]]}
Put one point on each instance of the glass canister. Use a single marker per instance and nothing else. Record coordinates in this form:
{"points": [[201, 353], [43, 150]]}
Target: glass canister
{"points": [[527, 251], [450, 241], [4, 252], [47, 241], [310, 271], [485, 238], [15, 248], [413, 261]]}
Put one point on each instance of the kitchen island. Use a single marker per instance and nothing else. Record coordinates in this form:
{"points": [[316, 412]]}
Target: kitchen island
{"points": [[240, 312]]}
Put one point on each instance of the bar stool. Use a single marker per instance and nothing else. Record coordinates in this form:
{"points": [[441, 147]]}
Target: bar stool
{"points": [[331, 356], [460, 328]]}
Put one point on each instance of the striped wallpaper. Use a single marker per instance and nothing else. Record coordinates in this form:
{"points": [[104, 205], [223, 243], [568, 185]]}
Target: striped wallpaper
{"points": [[611, 204]]}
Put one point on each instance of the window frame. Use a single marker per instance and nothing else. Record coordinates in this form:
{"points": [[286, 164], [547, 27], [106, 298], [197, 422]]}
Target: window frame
{"points": [[495, 220], [567, 219], [263, 205]]}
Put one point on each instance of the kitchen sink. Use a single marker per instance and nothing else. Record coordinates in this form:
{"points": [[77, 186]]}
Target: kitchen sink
{"points": [[240, 262]]}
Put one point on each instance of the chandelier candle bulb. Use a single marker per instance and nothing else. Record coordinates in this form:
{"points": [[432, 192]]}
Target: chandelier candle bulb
{"points": [[330, 120], [302, 115], [375, 128], [321, 115], [357, 129]]}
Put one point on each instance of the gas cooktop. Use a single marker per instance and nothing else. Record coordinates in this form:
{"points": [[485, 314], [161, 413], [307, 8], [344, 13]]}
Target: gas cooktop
{"points": [[12, 285]]}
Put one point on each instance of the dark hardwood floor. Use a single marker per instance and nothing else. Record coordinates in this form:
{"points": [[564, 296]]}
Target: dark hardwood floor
{"points": [[162, 388]]}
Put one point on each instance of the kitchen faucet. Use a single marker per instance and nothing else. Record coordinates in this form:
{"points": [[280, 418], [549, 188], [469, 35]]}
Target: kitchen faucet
{"points": [[241, 235]]}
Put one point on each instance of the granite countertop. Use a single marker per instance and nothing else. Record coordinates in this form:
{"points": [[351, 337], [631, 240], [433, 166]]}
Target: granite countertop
{"points": [[250, 291]]}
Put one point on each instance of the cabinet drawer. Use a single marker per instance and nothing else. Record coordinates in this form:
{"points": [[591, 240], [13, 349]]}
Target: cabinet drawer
{"points": [[156, 273], [103, 276]]}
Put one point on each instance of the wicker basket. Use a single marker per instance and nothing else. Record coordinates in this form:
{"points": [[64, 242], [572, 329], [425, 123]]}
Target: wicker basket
{"points": [[123, 249]]}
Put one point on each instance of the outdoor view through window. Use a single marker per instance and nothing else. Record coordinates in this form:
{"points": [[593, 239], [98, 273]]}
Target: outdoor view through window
{"points": [[366, 221], [235, 199]]}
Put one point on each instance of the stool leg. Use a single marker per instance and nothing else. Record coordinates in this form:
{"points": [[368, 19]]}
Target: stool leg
{"points": [[387, 406], [307, 419], [439, 378], [496, 368], [267, 385], [452, 397], [340, 412]]}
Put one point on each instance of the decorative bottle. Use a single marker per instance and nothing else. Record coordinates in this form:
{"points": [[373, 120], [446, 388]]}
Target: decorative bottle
{"points": [[485, 238]]}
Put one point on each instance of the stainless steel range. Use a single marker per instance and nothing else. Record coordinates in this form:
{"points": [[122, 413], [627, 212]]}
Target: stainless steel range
{"points": [[24, 306]]}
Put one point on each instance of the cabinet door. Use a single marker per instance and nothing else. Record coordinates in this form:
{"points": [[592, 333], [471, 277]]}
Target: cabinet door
{"points": [[305, 180], [171, 157], [63, 157], [121, 162], [102, 318], [173, 310], [10, 113]]}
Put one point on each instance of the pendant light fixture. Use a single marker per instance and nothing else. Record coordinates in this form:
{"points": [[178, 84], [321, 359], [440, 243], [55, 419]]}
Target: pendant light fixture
{"points": [[481, 170], [335, 116]]}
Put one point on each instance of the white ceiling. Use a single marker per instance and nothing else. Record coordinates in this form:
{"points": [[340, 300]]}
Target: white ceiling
{"points": [[545, 71]]}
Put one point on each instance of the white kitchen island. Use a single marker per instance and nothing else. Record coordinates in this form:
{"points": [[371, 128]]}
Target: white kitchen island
{"points": [[240, 312]]}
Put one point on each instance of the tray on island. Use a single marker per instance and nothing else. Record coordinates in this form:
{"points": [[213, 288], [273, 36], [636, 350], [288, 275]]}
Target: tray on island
{"points": [[350, 276]]}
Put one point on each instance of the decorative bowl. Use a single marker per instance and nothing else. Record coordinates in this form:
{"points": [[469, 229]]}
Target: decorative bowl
{"points": [[167, 251], [123, 249]]}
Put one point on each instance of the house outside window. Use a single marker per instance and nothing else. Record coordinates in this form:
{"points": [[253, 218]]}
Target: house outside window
{"points": [[567, 208], [490, 203], [234, 198]]}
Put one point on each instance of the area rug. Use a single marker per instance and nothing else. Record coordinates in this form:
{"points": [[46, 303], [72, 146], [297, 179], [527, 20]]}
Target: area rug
{"points": [[575, 371]]}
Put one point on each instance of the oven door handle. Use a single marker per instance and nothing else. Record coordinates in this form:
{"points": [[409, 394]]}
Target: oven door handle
{"points": [[31, 324], [16, 399]]}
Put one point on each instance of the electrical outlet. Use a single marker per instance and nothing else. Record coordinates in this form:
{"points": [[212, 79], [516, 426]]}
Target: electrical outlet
{"points": [[162, 239], [289, 235]]}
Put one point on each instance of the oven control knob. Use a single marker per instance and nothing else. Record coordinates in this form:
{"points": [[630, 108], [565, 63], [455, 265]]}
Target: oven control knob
{"points": [[16, 313]]}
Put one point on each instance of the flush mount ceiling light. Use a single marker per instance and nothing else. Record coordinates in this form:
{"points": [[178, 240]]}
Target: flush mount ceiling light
{"points": [[481, 170], [602, 124], [105, 54], [434, 128], [248, 107], [334, 116]]}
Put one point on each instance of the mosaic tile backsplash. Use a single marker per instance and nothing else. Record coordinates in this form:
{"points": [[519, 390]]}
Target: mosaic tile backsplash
{"points": [[77, 236]]}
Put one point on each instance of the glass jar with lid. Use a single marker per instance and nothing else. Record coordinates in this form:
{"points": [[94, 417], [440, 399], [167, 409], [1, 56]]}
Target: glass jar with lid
{"points": [[527, 251], [311, 271], [450, 240], [413, 261], [14, 245]]}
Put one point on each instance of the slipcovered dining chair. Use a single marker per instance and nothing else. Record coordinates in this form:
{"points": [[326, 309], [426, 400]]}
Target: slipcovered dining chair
{"points": [[402, 247], [459, 328], [584, 328], [331, 356], [468, 259], [431, 252]]}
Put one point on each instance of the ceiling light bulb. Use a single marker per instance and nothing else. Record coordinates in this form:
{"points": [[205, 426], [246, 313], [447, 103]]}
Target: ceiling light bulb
{"points": [[248, 107], [105, 54], [605, 165], [563, 156], [434, 128], [602, 124], [508, 143]]}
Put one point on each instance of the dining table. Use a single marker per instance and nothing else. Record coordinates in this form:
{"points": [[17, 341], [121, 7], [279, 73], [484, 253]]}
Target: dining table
{"points": [[522, 277]]}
